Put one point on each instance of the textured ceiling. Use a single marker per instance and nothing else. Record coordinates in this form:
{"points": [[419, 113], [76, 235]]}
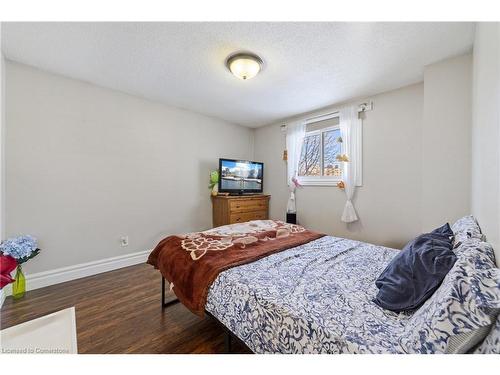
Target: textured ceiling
{"points": [[307, 65]]}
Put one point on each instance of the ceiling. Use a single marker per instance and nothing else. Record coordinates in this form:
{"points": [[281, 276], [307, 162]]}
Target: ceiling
{"points": [[307, 65]]}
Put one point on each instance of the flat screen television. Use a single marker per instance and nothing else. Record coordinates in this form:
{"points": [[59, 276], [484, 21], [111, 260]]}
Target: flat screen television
{"points": [[240, 176]]}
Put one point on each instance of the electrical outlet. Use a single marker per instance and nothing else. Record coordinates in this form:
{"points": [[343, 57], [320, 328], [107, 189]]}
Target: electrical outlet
{"points": [[124, 241]]}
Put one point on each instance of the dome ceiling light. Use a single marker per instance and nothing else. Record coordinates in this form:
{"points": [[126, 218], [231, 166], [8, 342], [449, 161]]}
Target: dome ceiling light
{"points": [[244, 65]]}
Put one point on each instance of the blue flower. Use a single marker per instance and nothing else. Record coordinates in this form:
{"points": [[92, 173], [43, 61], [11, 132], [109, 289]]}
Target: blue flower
{"points": [[19, 247]]}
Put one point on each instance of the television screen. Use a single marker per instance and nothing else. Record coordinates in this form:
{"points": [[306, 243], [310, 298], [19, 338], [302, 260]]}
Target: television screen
{"points": [[240, 176]]}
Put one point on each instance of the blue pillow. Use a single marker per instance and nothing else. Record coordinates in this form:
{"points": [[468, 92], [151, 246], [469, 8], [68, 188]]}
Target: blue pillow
{"points": [[445, 230], [417, 271]]}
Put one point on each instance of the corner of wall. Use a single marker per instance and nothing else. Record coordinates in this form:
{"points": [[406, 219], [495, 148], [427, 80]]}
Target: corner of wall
{"points": [[253, 134], [447, 110], [485, 192]]}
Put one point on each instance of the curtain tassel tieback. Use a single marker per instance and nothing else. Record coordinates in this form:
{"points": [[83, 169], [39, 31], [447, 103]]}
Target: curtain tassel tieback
{"points": [[349, 214]]}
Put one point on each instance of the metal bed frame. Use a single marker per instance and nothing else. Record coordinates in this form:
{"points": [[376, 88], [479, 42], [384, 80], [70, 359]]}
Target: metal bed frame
{"points": [[229, 337]]}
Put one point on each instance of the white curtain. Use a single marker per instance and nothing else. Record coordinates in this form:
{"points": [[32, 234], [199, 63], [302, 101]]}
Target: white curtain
{"points": [[350, 131], [295, 133]]}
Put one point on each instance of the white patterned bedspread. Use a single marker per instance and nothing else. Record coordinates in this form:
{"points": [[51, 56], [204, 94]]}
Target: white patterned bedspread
{"points": [[315, 298]]}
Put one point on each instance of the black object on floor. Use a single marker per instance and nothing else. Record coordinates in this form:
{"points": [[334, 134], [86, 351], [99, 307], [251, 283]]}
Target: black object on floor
{"points": [[291, 218]]}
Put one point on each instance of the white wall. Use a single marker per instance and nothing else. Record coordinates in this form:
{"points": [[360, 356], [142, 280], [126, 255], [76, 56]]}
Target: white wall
{"points": [[389, 202], [396, 164], [2, 141], [86, 165], [2, 169], [486, 132], [446, 141]]}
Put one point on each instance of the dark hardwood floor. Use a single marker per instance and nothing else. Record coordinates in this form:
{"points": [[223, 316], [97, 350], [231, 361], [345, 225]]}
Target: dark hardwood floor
{"points": [[120, 312]]}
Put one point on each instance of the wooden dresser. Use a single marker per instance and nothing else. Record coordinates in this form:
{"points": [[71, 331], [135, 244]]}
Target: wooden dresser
{"points": [[238, 209]]}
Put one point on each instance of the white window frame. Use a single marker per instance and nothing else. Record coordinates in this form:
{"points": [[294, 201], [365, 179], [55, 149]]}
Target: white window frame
{"points": [[321, 180]]}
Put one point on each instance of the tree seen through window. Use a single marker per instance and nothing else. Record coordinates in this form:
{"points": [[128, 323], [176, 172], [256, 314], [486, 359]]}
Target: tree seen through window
{"points": [[319, 154]]}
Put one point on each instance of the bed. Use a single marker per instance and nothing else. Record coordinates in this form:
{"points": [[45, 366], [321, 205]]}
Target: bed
{"points": [[317, 297]]}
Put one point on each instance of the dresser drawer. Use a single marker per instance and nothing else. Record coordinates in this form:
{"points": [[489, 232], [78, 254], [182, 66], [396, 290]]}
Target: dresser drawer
{"points": [[239, 209], [247, 205], [247, 216]]}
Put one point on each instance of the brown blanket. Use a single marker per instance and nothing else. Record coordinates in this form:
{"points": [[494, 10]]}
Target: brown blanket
{"points": [[192, 262]]}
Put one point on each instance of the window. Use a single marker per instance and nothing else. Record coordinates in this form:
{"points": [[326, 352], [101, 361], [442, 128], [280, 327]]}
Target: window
{"points": [[318, 163]]}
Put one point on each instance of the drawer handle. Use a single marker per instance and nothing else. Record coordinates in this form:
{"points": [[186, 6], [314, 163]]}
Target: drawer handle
{"points": [[238, 219]]}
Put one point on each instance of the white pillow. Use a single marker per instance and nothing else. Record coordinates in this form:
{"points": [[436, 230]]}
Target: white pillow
{"points": [[462, 310], [466, 227]]}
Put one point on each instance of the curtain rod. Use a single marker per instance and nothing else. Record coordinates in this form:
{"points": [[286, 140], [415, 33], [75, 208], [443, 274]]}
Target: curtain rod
{"points": [[363, 107]]}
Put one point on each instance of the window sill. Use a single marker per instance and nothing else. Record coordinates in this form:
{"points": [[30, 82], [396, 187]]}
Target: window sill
{"points": [[318, 182]]}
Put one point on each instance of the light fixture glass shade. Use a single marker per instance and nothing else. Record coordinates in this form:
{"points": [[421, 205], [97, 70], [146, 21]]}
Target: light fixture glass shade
{"points": [[244, 65]]}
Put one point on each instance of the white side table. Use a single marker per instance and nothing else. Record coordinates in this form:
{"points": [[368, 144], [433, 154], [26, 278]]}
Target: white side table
{"points": [[50, 334]]}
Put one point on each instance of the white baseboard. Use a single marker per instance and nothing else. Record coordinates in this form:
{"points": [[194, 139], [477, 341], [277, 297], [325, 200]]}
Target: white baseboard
{"points": [[60, 275]]}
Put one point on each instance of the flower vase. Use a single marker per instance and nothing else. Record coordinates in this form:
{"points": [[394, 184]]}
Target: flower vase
{"points": [[19, 285]]}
